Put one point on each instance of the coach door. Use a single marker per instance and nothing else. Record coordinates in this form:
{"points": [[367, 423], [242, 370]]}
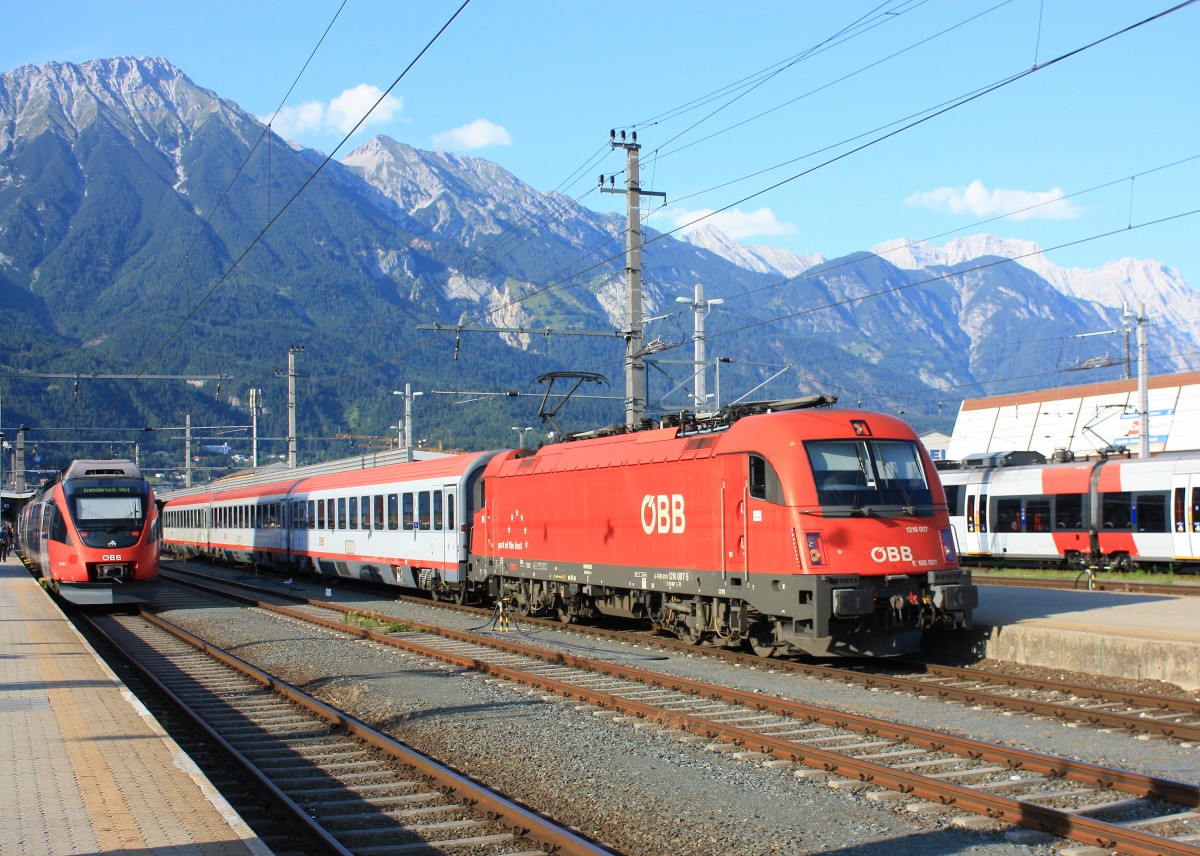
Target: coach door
{"points": [[444, 526], [1185, 516], [976, 539]]}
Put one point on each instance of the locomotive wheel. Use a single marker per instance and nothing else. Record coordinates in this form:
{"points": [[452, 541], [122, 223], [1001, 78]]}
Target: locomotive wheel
{"points": [[761, 650], [762, 641], [459, 595], [689, 634]]}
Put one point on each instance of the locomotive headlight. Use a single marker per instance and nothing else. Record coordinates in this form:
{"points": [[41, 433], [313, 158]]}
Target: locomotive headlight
{"points": [[949, 553], [816, 548]]}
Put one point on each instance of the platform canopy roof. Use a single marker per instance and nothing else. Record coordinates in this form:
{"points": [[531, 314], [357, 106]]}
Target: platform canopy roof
{"points": [[1082, 419]]}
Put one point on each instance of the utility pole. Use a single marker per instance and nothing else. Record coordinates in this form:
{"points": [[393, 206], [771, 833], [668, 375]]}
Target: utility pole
{"points": [[635, 368], [19, 461], [291, 402], [187, 448], [255, 405], [1143, 348], [409, 395], [701, 309]]}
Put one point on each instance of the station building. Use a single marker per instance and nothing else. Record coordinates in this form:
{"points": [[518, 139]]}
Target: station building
{"points": [[1083, 421]]}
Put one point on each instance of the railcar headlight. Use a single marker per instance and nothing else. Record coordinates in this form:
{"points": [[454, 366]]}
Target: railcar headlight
{"points": [[949, 553]]}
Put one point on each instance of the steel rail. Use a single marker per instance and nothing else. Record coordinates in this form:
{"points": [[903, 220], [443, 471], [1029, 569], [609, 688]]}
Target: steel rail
{"points": [[1058, 822], [977, 695], [522, 821], [318, 834]]}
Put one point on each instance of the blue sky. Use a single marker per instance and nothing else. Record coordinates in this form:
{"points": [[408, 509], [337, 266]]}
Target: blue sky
{"points": [[730, 100]]}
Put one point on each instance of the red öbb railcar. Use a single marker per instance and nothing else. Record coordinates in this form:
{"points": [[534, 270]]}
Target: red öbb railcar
{"points": [[772, 524], [91, 534], [790, 529]]}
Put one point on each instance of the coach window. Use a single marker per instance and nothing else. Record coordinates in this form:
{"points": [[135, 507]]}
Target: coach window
{"points": [[1115, 510], [437, 510], [353, 503], [1068, 511], [1150, 513], [341, 518], [378, 511], [1008, 515], [954, 499], [55, 524], [423, 510], [1037, 514], [1195, 516], [393, 511], [366, 512], [320, 514], [406, 511]]}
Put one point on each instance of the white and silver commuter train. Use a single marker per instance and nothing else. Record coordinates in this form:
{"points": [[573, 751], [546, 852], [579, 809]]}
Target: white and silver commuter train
{"points": [[1107, 513]]}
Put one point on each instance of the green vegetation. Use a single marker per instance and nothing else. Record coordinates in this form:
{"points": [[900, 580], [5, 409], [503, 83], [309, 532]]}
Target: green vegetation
{"points": [[375, 621]]}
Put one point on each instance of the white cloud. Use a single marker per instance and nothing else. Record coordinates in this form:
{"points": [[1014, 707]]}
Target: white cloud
{"points": [[977, 200], [339, 114], [473, 135], [735, 223]]}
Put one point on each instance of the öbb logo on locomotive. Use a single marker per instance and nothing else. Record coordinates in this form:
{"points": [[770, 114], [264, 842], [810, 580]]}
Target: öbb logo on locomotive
{"points": [[663, 514], [891, 554]]}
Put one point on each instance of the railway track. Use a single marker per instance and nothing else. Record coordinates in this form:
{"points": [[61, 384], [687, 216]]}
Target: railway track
{"points": [[1100, 806], [981, 577], [335, 785], [1136, 713]]}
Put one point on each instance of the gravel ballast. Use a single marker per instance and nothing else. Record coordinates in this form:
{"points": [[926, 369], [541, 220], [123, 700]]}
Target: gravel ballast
{"points": [[646, 790]]}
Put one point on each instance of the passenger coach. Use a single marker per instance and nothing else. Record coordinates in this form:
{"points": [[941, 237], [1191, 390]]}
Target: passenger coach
{"points": [[403, 524]]}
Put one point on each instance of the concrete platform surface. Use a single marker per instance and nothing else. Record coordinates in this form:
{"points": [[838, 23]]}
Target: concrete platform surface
{"points": [[86, 768], [1136, 636]]}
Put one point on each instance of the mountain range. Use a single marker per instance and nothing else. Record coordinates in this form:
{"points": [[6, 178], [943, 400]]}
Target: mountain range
{"points": [[151, 230]]}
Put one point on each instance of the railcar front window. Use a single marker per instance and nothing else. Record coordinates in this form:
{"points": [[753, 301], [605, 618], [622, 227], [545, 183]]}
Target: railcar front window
{"points": [[864, 477], [108, 515]]}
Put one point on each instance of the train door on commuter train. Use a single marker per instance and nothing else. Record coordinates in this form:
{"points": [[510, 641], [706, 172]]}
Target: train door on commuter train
{"points": [[1185, 516], [976, 520]]}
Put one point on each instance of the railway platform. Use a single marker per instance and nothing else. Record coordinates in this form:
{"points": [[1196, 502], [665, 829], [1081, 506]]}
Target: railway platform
{"points": [[1135, 636], [87, 769]]}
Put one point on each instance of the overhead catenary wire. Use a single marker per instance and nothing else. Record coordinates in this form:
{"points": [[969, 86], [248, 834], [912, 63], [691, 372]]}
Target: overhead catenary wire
{"points": [[246, 161], [842, 79]]}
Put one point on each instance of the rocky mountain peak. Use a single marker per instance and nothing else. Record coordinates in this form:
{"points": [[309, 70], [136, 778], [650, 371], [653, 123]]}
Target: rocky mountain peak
{"points": [[144, 96]]}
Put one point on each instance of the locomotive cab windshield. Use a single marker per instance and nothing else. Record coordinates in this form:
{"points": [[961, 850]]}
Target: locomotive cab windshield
{"points": [[870, 477], [108, 514]]}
